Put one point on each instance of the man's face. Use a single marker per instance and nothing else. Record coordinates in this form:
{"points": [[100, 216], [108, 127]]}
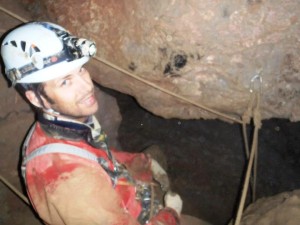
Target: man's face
{"points": [[73, 95]]}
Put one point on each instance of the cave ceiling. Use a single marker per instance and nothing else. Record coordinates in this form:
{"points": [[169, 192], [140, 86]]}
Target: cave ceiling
{"points": [[210, 53]]}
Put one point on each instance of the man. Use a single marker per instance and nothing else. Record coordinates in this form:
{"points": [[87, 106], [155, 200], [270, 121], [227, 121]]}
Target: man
{"points": [[71, 175]]}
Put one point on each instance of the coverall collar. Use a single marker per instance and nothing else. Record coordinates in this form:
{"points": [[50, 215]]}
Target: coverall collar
{"points": [[70, 129]]}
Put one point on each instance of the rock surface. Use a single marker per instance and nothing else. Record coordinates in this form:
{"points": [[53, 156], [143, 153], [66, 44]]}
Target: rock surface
{"points": [[205, 51], [205, 157], [281, 209]]}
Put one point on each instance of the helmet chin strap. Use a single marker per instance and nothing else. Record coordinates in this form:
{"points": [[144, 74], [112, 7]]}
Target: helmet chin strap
{"points": [[53, 115]]}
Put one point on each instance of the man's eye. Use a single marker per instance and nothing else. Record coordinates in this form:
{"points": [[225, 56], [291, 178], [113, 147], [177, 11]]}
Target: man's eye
{"points": [[64, 83]]}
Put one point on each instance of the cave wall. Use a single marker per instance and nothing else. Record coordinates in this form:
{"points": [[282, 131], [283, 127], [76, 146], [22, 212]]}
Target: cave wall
{"points": [[206, 51], [177, 73]]}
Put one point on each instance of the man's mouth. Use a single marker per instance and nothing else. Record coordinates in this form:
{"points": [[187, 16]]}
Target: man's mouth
{"points": [[88, 100]]}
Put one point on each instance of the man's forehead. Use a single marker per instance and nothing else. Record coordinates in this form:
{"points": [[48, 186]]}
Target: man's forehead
{"points": [[66, 76]]}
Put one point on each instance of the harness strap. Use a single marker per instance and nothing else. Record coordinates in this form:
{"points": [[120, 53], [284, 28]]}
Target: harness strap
{"points": [[27, 139], [144, 193], [61, 148]]}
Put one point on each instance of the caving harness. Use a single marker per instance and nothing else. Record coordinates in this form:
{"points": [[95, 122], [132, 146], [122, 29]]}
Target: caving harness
{"points": [[96, 138]]}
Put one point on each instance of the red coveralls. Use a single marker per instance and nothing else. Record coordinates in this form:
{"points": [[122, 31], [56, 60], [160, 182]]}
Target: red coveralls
{"points": [[65, 189]]}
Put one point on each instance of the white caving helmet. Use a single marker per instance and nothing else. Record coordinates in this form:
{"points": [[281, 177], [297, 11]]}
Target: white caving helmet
{"points": [[40, 51]]}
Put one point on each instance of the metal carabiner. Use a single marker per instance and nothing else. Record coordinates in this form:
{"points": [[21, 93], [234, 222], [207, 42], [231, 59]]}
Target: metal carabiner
{"points": [[255, 86]]}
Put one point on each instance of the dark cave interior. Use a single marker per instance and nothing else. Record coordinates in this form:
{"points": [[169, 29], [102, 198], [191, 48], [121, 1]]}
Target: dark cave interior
{"points": [[206, 158], [206, 161]]}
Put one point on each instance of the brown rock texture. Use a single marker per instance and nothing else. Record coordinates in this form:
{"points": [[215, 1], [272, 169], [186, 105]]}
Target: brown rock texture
{"points": [[205, 51], [281, 209]]}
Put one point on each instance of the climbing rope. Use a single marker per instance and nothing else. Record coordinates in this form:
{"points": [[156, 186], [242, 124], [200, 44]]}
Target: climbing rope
{"points": [[14, 190], [2, 179], [13, 14], [252, 156], [147, 82], [169, 92], [248, 114]]}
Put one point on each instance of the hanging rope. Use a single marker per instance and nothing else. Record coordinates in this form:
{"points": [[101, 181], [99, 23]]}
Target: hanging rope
{"points": [[246, 120], [252, 158]]}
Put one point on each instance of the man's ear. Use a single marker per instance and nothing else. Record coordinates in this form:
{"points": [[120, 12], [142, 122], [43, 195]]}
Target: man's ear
{"points": [[35, 100], [31, 96]]}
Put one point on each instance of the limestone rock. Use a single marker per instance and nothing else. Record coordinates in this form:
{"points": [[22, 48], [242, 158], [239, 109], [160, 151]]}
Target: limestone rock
{"points": [[281, 209], [205, 51]]}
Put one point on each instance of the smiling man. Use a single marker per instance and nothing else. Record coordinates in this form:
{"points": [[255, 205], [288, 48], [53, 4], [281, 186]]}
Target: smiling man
{"points": [[71, 95], [71, 175]]}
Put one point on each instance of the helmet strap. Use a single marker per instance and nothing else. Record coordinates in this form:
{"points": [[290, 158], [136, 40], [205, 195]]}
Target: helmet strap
{"points": [[51, 114], [38, 95]]}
